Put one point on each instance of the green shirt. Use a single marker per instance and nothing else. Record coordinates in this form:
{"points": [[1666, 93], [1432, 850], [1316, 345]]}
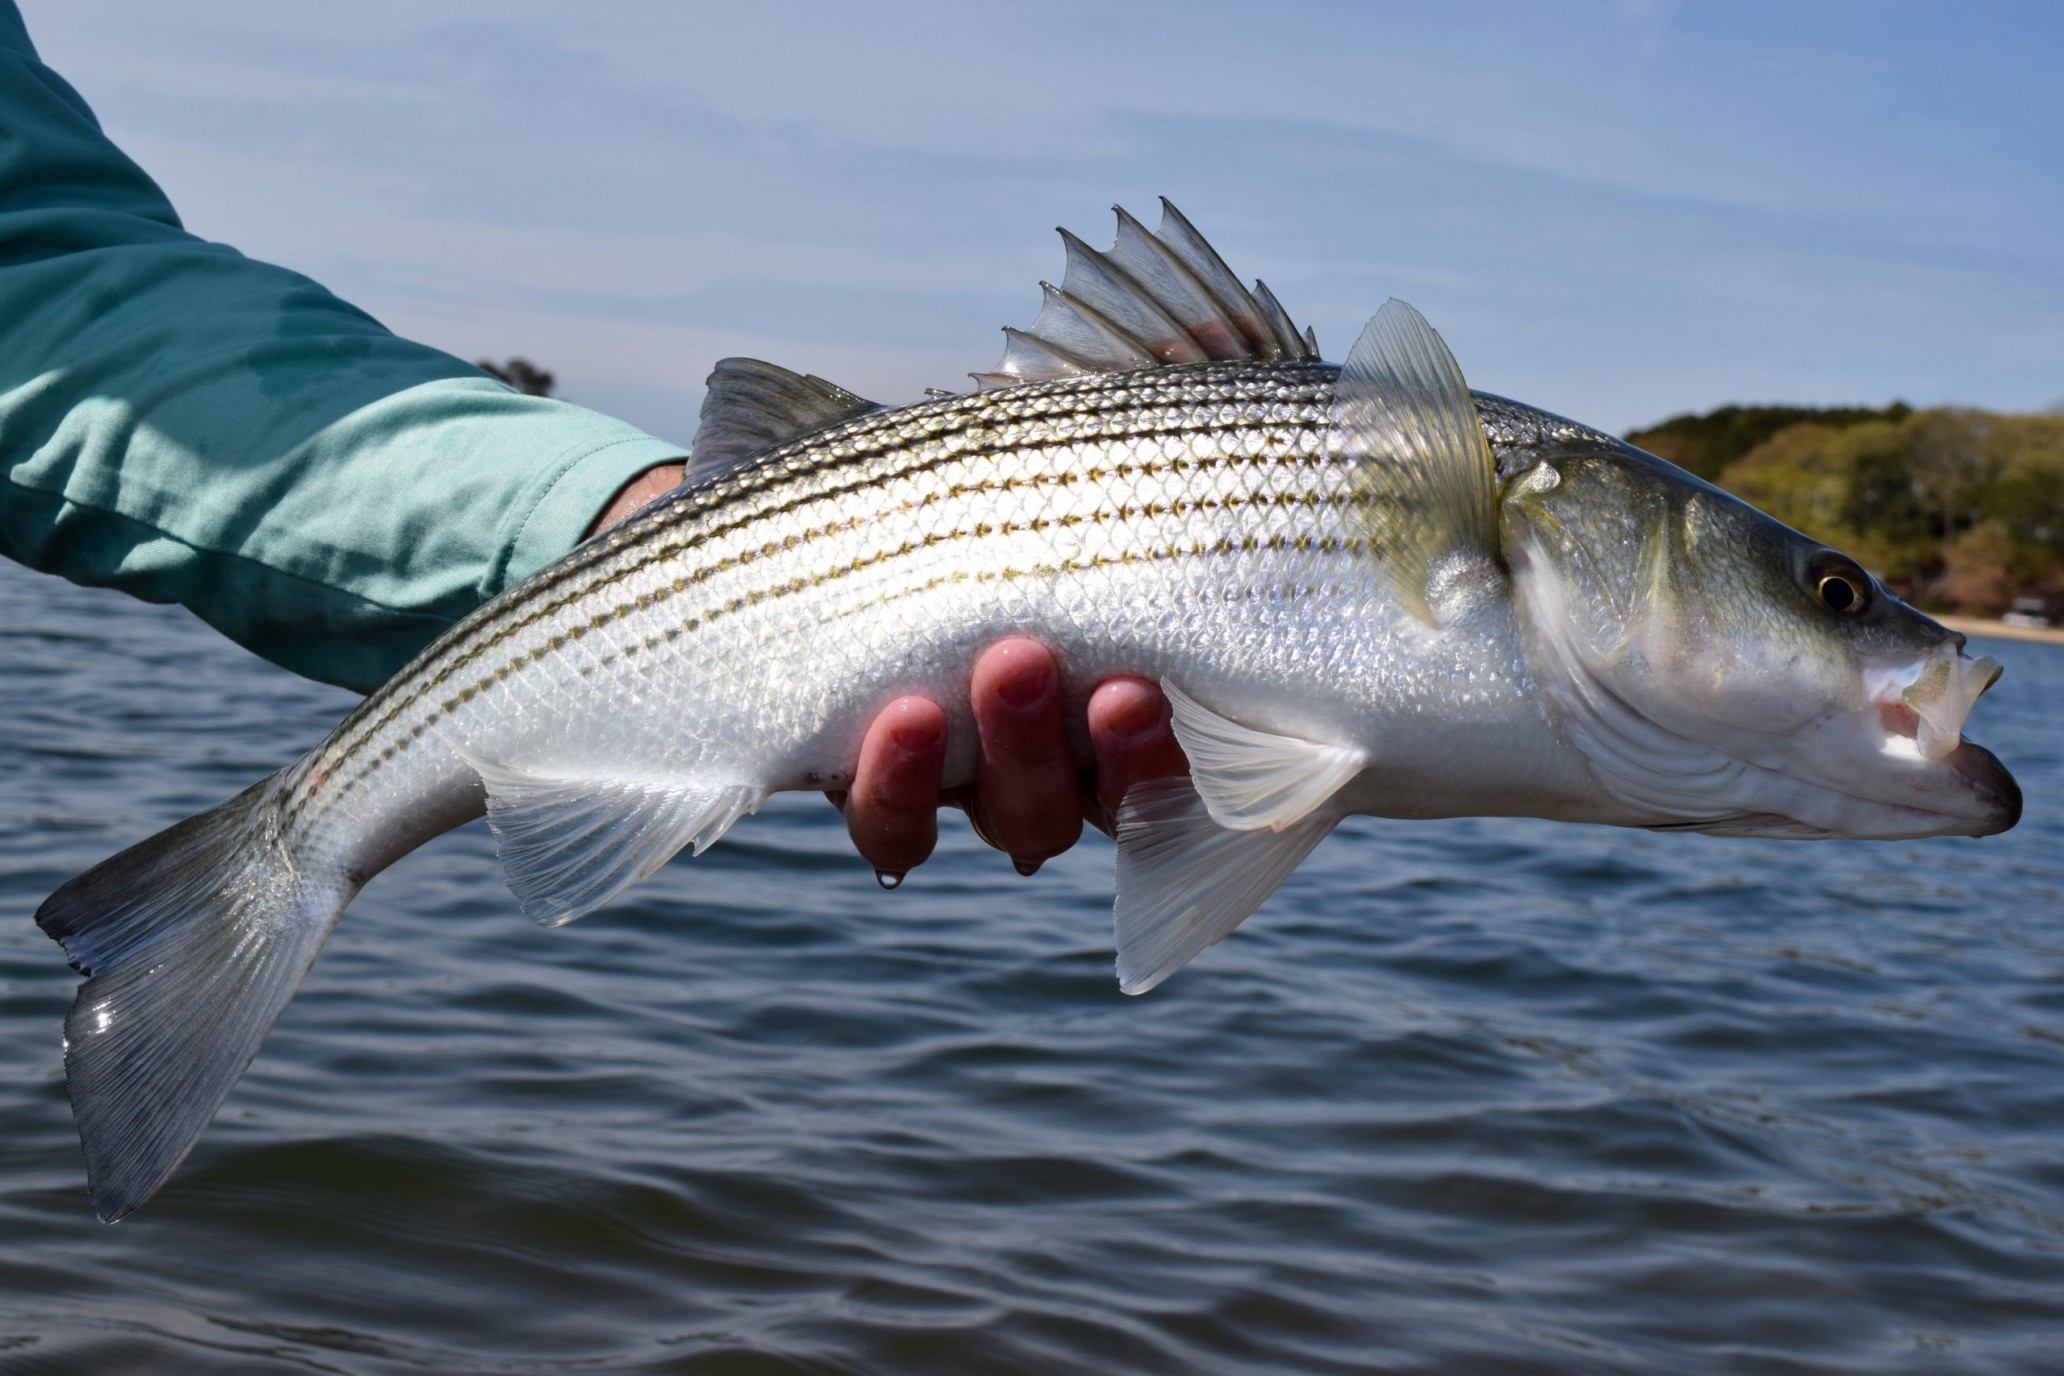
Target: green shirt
{"points": [[190, 426]]}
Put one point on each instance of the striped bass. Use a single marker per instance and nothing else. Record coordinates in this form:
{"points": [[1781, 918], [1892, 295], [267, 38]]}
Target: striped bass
{"points": [[1364, 589]]}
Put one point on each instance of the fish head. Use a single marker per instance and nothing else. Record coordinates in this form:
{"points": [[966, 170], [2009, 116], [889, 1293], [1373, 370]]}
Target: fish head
{"points": [[1719, 671]]}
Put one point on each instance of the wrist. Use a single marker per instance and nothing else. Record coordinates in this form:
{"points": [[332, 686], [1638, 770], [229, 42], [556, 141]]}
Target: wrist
{"points": [[641, 491]]}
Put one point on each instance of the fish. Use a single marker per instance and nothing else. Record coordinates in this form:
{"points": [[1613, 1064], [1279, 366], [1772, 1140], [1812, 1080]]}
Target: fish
{"points": [[1363, 587]]}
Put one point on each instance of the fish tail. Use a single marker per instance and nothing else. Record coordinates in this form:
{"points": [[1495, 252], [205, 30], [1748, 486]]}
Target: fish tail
{"points": [[191, 943]]}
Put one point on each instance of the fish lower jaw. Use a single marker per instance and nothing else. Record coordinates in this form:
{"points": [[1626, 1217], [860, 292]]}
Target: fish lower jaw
{"points": [[1853, 780], [1983, 771], [1965, 793]]}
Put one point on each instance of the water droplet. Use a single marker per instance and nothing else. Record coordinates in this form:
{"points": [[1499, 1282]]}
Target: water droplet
{"points": [[888, 879], [1028, 868]]}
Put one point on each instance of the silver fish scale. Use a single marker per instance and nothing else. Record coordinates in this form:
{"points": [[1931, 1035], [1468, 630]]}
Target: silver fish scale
{"points": [[1181, 520]]}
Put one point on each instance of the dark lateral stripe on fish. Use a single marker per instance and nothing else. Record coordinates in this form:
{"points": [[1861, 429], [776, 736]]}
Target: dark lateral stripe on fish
{"points": [[1301, 543], [661, 531], [733, 493], [636, 552], [534, 611], [802, 583], [1223, 546], [1115, 396]]}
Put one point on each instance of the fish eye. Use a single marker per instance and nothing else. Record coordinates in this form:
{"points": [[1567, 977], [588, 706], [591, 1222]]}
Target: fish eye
{"points": [[1842, 591]]}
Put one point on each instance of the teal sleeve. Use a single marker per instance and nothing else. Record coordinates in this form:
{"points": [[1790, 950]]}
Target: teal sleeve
{"points": [[188, 425]]}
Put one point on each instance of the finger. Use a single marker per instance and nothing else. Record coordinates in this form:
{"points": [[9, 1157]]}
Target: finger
{"points": [[892, 808], [1131, 733], [1026, 801]]}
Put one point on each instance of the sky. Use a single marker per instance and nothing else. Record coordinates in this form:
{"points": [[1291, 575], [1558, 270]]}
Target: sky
{"points": [[1618, 211]]}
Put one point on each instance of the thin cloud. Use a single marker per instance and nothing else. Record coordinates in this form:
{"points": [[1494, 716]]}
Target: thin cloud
{"points": [[1618, 211]]}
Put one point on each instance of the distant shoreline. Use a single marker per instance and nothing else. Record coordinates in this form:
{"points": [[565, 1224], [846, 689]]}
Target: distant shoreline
{"points": [[2000, 630]]}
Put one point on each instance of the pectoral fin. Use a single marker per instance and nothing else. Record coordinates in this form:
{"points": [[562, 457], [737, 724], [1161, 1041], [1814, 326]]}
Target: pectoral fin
{"points": [[569, 845], [1253, 779], [1184, 881]]}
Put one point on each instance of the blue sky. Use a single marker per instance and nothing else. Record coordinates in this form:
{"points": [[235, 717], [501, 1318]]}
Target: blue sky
{"points": [[1614, 210]]}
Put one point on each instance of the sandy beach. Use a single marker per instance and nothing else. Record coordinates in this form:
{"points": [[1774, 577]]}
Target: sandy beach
{"points": [[2000, 630]]}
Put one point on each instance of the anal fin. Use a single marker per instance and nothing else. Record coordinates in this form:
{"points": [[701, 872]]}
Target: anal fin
{"points": [[1184, 882], [568, 845]]}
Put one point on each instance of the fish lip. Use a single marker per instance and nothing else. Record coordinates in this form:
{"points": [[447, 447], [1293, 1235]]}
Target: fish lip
{"points": [[1984, 772]]}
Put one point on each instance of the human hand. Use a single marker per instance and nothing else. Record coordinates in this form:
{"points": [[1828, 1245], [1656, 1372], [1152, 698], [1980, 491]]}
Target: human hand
{"points": [[1026, 799]]}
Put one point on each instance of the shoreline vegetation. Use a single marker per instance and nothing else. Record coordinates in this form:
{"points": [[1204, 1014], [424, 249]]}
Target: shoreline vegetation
{"points": [[1959, 511]]}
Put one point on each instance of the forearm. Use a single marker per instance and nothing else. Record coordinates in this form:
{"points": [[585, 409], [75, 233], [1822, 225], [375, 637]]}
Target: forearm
{"points": [[194, 427], [188, 425]]}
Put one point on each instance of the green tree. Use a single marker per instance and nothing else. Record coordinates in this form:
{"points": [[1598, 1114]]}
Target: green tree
{"points": [[1956, 508], [1707, 444], [1845, 486], [1947, 459], [1978, 572], [2027, 495]]}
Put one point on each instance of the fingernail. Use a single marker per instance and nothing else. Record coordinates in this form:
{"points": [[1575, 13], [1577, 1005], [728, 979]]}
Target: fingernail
{"points": [[889, 879], [1141, 715], [1028, 868], [914, 737], [1028, 689]]}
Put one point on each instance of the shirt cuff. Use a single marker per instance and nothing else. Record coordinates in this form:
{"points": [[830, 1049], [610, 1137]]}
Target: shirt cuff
{"points": [[573, 494]]}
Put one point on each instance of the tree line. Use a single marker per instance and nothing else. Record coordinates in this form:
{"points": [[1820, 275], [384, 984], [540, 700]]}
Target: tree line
{"points": [[1956, 509]]}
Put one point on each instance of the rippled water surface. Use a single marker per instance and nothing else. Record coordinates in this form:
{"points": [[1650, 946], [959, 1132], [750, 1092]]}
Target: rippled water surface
{"points": [[1464, 1097]]}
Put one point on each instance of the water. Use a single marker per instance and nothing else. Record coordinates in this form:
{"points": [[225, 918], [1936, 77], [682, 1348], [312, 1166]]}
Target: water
{"points": [[1475, 1096]]}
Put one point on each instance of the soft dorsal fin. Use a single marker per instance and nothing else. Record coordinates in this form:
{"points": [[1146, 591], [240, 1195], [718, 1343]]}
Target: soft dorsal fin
{"points": [[1403, 416], [1155, 298], [752, 406]]}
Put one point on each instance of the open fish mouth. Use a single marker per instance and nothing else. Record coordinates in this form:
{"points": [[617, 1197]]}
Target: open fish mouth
{"points": [[1928, 701], [1921, 709]]}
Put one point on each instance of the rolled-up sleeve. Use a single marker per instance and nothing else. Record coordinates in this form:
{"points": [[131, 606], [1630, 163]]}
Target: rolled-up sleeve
{"points": [[188, 425]]}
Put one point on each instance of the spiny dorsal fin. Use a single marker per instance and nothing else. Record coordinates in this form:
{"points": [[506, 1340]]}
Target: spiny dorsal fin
{"points": [[1405, 418], [753, 406], [1153, 299], [1235, 303]]}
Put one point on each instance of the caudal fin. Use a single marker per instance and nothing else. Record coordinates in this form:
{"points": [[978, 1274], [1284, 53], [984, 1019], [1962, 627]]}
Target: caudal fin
{"points": [[192, 942]]}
